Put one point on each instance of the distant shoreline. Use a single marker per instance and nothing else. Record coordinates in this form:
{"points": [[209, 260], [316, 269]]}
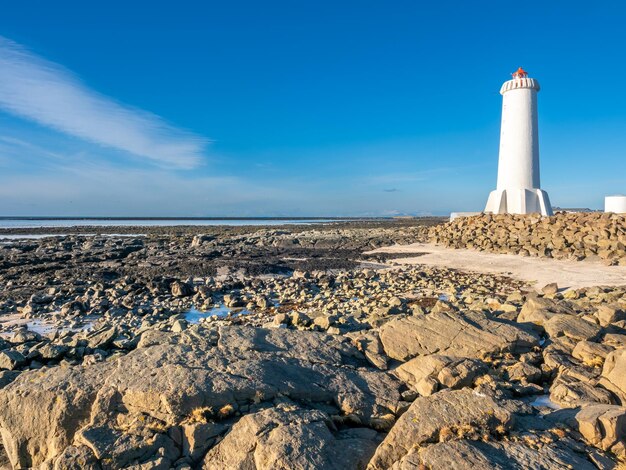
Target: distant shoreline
{"points": [[188, 218], [160, 226]]}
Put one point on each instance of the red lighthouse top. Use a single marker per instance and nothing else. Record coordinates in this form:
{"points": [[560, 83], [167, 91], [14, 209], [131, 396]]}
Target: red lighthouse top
{"points": [[520, 73]]}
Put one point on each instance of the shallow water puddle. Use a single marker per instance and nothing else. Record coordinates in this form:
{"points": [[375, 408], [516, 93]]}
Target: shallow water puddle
{"points": [[544, 401], [43, 326], [193, 315]]}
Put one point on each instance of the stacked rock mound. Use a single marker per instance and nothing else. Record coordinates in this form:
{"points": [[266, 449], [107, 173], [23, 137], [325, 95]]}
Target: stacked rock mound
{"points": [[564, 236]]}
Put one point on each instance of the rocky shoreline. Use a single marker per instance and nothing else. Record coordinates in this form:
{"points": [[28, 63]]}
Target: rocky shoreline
{"points": [[266, 348], [576, 235]]}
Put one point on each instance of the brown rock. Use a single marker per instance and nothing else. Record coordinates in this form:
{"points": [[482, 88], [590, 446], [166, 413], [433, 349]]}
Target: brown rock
{"points": [[470, 334], [428, 418], [603, 426]]}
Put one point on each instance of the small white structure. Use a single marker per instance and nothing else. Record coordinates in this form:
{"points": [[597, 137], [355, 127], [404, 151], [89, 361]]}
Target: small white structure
{"points": [[518, 188], [615, 204]]}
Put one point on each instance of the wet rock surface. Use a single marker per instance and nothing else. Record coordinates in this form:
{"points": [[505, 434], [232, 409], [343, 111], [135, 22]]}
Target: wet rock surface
{"points": [[153, 361]]}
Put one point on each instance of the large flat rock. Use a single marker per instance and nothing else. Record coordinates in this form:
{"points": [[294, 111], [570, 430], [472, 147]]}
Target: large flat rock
{"points": [[469, 334]]}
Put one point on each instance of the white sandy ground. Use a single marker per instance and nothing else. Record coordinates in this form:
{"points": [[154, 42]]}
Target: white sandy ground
{"points": [[537, 271]]}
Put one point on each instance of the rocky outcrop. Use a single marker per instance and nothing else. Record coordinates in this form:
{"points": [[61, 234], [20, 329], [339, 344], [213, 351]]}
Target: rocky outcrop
{"points": [[564, 235], [131, 410]]}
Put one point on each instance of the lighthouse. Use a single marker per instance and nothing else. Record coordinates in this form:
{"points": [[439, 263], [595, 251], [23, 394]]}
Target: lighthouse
{"points": [[518, 189]]}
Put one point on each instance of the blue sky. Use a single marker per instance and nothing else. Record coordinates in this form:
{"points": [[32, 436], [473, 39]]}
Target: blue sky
{"points": [[299, 107]]}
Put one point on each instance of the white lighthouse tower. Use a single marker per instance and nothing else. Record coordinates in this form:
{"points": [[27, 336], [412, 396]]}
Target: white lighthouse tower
{"points": [[518, 189]]}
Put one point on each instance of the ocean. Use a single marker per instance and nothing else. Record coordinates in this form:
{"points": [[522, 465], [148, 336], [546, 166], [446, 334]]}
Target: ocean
{"points": [[23, 222]]}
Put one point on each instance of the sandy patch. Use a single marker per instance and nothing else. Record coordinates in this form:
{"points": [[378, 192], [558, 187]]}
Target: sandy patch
{"points": [[537, 271]]}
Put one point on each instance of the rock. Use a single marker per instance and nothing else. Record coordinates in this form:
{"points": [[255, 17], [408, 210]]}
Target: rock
{"points": [[24, 336], [608, 314], [181, 289], [571, 326], [199, 437], [77, 458], [199, 240], [300, 319], [41, 299], [325, 321], [369, 344], [428, 418], [564, 235], [11, 359], [614, 373], [470, 334], [281, 319], [72, 308], [603, 426], [231, 300], [590, 353], [7, 376], [50, 351], [102, 338], [550, 289], [427, 374], [291, 438], [470, 455], [570, 392], [179, 326], [539, 310], [524, 372]]}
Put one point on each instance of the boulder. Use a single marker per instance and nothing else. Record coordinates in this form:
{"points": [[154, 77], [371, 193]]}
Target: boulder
{"points": [[572, 326], [614, 373], [539, 310], [291, 438], [428, 419], [11, 359], [102, 338], [612, 313], [570, 392], [590, 353], [524, 372], [550, 289], [181, 289], [443, 371], [603, 426], [469, 334]]}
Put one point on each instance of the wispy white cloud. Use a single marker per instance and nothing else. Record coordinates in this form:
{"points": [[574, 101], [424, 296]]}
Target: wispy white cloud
{"points": [[41, 91]]}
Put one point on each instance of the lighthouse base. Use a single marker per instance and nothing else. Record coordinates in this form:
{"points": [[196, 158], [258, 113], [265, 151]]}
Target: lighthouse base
{"points": [[519, 201]]}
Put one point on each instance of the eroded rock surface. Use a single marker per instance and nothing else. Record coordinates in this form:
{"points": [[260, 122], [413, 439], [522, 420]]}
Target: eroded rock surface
{"points": [[469, 334], [432, 419], [291, 438], [125, 410]]}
